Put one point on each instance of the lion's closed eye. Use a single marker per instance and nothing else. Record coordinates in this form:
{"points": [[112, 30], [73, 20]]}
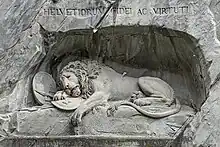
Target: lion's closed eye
{"points": [[66, 76]]}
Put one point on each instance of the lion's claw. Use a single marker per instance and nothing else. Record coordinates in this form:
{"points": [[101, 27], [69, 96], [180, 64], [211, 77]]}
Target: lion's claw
{"points": [[136, 95], [111, 110], [59, 96], [76, 119]]}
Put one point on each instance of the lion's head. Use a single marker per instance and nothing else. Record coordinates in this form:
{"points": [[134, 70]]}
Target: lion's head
{"points": [[75, 79]]}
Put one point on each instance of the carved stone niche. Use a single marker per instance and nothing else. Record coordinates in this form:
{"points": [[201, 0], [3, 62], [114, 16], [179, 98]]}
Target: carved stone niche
{"points": [[171, 55]]}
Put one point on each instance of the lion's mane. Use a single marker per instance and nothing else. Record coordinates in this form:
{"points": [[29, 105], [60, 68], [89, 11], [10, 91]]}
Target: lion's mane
{"points": [[85, 71]]}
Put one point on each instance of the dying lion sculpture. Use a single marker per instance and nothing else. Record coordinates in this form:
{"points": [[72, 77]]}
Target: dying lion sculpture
{"points": [[99, 84]]}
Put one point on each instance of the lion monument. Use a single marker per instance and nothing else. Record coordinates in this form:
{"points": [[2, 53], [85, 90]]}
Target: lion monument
{"points": [[98, 84]]}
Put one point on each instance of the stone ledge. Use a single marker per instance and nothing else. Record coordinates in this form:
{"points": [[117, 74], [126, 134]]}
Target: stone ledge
{"points": [[127, 121], [86, 140]]}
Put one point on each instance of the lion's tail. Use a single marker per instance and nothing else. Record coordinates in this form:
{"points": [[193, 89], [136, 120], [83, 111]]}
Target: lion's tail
{"points": [[155, 114]]}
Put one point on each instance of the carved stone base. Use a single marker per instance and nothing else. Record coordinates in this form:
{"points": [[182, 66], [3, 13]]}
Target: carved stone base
{"points": [[46, 121], [128, 121]]}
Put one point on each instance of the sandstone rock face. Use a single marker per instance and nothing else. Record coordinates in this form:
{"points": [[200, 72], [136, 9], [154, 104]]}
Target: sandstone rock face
{"points": [[25, 49], [128, 121], [46, 121], [214, 7]]}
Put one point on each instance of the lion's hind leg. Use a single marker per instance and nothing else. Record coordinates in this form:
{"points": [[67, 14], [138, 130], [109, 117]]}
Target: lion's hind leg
{"points": [[139, 99], [154, 89]]}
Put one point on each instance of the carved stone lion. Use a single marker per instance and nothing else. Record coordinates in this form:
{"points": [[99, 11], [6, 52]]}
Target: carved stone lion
{"points": [[99, 84]]}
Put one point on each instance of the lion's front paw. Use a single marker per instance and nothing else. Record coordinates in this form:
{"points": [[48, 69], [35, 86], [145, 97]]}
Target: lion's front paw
{"points": [[136, 95], [77, 116], [96, 109], [112, 109], [59, 96]]}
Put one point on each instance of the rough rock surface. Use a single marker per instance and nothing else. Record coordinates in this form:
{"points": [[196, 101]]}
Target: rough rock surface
{"points": [[43, 121], [21, 48], [128, 121], [215, 7]]}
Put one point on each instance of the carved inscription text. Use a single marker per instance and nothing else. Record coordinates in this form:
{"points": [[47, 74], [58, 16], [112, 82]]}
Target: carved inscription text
{"points": [[52, 11]]}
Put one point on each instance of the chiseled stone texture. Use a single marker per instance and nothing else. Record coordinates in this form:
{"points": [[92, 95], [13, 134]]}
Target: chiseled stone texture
{"points": [[204, 130], [44, 121], [20, 52], [90, 141], [21, 48], [215, 8], [127, 121]]}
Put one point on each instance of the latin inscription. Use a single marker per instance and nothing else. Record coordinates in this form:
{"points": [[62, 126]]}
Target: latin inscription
{"points": [[85, 11], [119, 10], [171, 10]]}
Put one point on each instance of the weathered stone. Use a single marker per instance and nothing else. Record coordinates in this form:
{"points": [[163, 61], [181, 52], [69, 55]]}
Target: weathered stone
{"points": [[23, 48], [6, 128], [204, 129], [42, 121], [127, 121], [214, 7], [81, 141], [17, 68]]}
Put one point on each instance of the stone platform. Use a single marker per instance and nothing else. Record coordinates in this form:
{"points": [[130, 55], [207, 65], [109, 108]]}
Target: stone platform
{"points": [[49, 121], [88, 141], [127, 121]]}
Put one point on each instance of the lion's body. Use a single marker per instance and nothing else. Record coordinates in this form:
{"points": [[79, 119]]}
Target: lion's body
{"points": [[108, 85], [119, 87]]}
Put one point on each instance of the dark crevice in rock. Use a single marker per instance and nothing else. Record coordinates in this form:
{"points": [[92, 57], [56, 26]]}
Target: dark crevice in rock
{"points": [[104, 16], [216, 81], [55, 1], [153, 44]]}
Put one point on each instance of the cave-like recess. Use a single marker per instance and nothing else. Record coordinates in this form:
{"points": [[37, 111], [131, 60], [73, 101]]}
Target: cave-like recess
{"points": [[174, 56]]}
